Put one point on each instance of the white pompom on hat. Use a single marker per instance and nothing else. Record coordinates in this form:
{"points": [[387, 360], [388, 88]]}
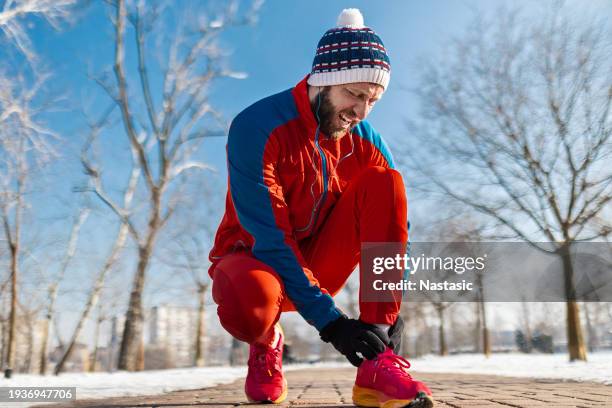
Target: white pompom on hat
{"points": [[349, 53], [350, 17]]}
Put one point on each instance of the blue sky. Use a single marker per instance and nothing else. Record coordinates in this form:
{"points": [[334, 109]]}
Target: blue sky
{"points": [[276, 54]]}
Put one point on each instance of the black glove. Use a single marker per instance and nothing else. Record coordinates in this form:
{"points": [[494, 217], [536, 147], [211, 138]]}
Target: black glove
{"points": [[351, 336]]}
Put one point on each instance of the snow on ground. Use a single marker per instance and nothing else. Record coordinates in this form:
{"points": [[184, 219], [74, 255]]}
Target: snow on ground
{"points": [[122, 383], [598, 368], [102, 385]]}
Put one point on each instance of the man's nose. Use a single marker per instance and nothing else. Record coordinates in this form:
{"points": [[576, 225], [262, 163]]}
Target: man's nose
{"points": [[361, 110]]}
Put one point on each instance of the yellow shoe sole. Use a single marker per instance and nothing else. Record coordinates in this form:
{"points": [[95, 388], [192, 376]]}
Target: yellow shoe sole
{"points": [[367, 397], [283, 395]]}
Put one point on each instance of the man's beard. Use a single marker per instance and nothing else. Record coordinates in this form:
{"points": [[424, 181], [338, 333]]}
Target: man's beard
{"points": [[323, 108]]}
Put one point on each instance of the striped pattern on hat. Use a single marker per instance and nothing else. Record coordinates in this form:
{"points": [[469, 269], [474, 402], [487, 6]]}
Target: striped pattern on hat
{"points": [[352, 53]]}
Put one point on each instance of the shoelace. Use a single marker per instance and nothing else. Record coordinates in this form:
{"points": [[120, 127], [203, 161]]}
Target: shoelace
{"points": [[265, 361], [393, 363]]}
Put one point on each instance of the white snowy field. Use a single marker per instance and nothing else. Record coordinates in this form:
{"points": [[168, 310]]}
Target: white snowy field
{"points": [[598, 368], [103, 385]]}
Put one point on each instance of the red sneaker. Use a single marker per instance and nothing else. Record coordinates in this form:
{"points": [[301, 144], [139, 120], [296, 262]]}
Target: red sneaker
{"points": [[265, 381], [384, 382]]}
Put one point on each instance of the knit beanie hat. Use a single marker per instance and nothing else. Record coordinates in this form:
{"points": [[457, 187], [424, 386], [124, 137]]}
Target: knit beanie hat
{"points": [[350, 52]]}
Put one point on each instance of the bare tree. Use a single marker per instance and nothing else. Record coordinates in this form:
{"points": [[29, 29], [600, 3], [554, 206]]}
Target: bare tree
{"points": [[526, 324], [167, 141], [93, 297], [93, 361], [202, 283], [482, 327], [440, 308], [23, 139], [4, 319], [417, 324], [597, 323], [188, 253], [54, 285], [189, 243], [25, 333], [438, 302], [516, 125], [94, 173], [24, 144], [14, 12], [237, 352], [469, 232]]}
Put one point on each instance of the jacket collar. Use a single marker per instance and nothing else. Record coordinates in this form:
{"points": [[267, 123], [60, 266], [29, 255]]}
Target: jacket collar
{"points": [[300, 95]]}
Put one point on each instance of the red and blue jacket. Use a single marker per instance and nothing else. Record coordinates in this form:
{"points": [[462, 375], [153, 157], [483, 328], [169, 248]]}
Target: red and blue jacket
{"points": [[284, 178]]}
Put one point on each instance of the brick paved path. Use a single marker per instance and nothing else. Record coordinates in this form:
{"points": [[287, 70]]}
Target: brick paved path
{"points": [[323, 388]]}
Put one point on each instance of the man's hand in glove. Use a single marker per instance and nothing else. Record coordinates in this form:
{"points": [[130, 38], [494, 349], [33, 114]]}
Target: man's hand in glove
{"points": [[352, 336]]}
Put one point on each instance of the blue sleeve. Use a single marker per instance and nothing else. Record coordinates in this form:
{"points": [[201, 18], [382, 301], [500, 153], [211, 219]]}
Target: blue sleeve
{"points": [[381, 155]]}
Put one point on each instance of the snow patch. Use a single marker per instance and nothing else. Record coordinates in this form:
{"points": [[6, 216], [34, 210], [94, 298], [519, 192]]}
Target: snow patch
{"points": [[598, 368]]}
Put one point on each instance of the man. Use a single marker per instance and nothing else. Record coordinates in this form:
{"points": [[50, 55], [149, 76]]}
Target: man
{"points": [[309, 181]]}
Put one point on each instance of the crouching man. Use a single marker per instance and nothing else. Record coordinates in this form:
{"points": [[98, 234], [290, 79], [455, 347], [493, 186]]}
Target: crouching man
{"points": [[309, 181]]}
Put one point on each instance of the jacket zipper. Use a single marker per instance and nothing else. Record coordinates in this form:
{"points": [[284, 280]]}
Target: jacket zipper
{"points": [[324, 169]]}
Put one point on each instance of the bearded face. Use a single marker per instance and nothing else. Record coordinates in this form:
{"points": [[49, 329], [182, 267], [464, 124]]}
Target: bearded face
{"points": [[341, 107]]}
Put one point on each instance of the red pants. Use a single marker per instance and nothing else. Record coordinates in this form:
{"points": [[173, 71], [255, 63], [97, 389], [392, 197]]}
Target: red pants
{"points": [[373, 208]]}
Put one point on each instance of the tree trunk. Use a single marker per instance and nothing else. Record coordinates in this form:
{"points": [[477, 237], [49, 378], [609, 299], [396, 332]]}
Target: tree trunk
{"points": [[486, 340], [424, 343], [131, 354], [45, 337], [75, 335], [234, 350], [527, 323], [93, 296], [27, 363], [199, 343], [575, 340], [441, 335], [575, 343], [10, 353], [43, 348], [134, 319], [478, 329], [94, 354], [3, 339], [112, 344], [14, 246], [591, 344]]}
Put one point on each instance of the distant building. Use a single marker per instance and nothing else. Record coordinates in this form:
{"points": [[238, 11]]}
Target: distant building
{"points": [[172, 331]]}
